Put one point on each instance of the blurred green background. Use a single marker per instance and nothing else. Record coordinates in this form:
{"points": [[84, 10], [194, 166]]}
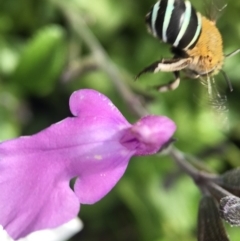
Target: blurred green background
{"points": [[49, 48]]}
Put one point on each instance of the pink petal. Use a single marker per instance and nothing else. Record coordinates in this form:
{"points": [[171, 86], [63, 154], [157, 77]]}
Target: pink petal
{"points": [[149, 135], [33, 195], [92, 187], [99, 104]]}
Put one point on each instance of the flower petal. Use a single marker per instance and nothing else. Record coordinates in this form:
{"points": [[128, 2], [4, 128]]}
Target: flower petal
{"points": [[33, 196], [89, 102], [36, 170], [92, 187], [149, 134]]}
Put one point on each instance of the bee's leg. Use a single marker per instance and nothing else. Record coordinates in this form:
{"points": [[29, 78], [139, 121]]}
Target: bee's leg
{"points": [[166, 65], [232, 54], [172, 85]]}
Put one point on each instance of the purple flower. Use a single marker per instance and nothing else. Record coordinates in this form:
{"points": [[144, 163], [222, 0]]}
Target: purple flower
{"points": [[94, 146]]}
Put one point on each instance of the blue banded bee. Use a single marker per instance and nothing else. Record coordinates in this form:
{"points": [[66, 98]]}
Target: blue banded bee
{"points": [[196, 43]]}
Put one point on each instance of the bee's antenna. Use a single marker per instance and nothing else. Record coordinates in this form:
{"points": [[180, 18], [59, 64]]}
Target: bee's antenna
{"points": [[224, 74], [227, 80], [232, 53]]}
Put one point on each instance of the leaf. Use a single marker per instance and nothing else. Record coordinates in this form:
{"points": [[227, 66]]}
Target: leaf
{"points": [[210, 226], [9, 55], [42, 61]]}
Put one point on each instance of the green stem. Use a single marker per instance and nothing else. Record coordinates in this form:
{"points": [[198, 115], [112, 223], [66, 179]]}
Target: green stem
{"points": [[197, 175]]}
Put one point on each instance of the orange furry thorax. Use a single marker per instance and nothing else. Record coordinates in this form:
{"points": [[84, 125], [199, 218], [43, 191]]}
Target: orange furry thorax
{"points": [[208, 52]]}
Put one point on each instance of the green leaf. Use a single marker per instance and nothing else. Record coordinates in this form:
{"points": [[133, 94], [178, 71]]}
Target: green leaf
{"points": [[42, 61], [8, 56]]}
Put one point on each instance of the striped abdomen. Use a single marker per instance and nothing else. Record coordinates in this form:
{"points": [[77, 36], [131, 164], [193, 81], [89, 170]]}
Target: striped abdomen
{"points": [[175, 22]]}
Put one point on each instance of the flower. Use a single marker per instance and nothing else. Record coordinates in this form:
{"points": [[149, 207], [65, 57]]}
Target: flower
{"points": [[94, 146]]}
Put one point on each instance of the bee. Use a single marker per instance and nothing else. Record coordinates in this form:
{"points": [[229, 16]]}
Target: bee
{"points": [[196, 42]]}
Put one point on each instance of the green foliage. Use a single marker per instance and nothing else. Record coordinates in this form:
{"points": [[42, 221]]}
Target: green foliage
{"points": [[43, 59]]}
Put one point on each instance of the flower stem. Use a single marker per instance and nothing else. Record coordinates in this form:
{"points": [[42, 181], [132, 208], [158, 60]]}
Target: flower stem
{"points": [[197, 175]]}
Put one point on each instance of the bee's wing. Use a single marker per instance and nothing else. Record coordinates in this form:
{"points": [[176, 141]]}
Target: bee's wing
{"points": [[214, 8], [217, 102]]}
